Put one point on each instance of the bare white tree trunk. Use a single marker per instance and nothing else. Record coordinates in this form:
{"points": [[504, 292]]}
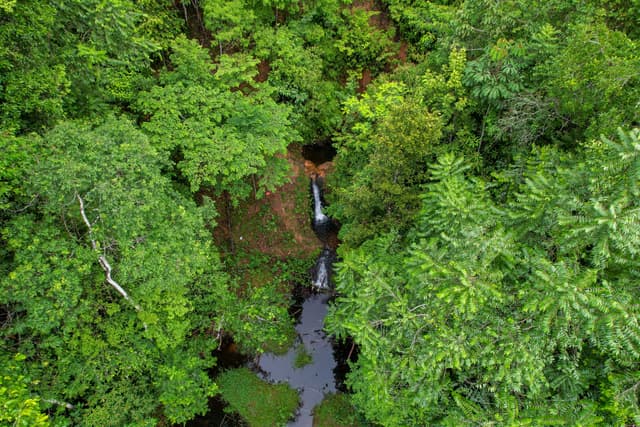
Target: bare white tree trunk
{"points": [[103, 260], [59, 403]]}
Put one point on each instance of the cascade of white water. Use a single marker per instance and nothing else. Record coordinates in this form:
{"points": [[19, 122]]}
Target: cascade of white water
{"points": [[321, 273], [318, 215]]}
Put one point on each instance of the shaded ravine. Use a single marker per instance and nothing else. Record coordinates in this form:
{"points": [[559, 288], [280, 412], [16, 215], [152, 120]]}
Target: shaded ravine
{"points": [[228, 357], [316, 378], [326, 230]]}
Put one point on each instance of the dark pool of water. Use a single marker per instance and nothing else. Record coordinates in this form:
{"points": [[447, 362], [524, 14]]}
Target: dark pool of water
{"points": [[314, 379]]}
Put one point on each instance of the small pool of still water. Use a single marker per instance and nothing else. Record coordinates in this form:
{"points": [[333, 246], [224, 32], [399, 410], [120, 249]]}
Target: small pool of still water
{"points": [[315, 379]]}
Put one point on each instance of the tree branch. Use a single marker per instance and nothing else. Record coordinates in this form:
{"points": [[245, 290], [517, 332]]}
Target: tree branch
{"points": [[107, 269], [59, 403], [86, 221], [103, 260]]}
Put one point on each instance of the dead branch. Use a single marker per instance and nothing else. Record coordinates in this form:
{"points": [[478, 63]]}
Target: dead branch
{"points": [[86, 221], [107, 269], [59, 403], [102, 259]]}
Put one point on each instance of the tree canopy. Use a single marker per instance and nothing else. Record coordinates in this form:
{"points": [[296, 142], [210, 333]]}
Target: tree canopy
{"points": [[486, 183]]}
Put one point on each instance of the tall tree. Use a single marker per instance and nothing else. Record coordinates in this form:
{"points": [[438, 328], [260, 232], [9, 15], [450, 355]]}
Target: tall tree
{"points": [[508, 312], [111, 279], [215, 124], [391, 133], [70, 58]]}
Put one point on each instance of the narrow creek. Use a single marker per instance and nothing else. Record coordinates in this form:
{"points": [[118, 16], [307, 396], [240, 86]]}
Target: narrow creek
{"points": [[326, 362], [315, 379]]}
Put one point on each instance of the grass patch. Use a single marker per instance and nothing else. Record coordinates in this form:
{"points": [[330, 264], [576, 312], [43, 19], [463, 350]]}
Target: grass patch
{"points": [[335, 411], [303, 358], [260, 404]]}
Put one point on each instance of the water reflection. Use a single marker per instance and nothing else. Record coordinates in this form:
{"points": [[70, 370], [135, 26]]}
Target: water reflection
{"points": [[315, 379]]}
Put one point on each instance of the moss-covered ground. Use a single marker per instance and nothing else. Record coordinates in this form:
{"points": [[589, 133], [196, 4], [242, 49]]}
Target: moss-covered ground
{"points": [[336, 411], [259, 403]]}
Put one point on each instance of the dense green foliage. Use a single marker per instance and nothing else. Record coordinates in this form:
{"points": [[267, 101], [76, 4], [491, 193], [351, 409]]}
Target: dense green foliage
{"points": [[486, 181], [86, 339], [220, 136], [111, 288], [503, 310], [497, 285]]}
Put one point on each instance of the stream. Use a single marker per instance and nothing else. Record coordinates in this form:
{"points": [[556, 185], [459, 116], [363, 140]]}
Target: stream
{"points": [[322, 374], [315, 379]]}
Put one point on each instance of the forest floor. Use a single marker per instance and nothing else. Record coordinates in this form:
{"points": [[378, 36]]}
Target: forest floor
{"points": [[278, 225]]}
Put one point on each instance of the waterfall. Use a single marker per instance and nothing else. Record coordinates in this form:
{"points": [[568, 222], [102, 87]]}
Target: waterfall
{"points": [[324, 228], [321, 279], [318, 216], [322, 270]]}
